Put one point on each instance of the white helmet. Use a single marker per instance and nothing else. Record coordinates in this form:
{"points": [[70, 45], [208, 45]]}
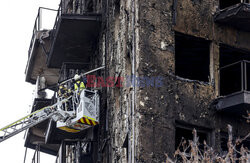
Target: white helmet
{"points": [[76, 77]]}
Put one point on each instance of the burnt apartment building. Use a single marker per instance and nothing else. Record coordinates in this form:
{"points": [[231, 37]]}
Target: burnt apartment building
{"points": [[175, 65]]}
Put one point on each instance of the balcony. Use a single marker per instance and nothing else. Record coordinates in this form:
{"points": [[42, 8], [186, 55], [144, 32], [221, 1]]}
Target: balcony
{"points": [[74, 36], [39, 46], [235, 88], [235, 15], [36, 135]]}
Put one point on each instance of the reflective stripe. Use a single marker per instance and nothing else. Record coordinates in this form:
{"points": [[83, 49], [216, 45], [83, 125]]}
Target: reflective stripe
{"points": [[69, 129], [89, 118], [82, 120], [79, 84], [82, 86], [94, 123], [88, 122]]}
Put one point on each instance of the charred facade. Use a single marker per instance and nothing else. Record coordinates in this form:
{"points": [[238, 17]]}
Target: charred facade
{"points": [[174, 66]]}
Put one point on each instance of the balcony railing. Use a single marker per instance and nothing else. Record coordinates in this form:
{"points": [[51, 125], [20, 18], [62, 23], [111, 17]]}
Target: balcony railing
{"points": [[75, 16], [43, 21], [48, 22], [235, 78], [68, 7]]}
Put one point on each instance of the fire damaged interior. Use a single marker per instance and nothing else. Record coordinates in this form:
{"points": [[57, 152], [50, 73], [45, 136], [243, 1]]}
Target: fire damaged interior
{"points": [[191, 57], [185, 132]]}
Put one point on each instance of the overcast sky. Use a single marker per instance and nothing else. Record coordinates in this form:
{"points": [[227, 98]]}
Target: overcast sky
{"points": [[17, 20]]}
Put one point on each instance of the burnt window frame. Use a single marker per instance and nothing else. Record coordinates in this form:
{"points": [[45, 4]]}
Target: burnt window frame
{"points": [[208, 132], [206, 76]]}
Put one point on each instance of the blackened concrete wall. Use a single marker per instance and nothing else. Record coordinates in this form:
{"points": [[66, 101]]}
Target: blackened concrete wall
{"points": [[138, 38], [179, 100]]}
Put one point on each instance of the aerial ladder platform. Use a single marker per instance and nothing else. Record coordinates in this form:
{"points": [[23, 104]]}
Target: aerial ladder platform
{"points": [[83, 114]]}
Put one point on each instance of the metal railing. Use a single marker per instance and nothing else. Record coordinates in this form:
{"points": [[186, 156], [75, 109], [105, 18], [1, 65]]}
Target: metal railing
{"points": [[66, 7], [79, 7], [36, 156], [235, 78], [59, 13], [37, 27], [72, 7], [87, 99]]}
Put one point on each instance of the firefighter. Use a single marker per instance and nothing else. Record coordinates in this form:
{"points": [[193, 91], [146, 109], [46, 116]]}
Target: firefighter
{"points": [[78, 83], [61, 91], [64, 93], [77, 86], [68, 94], [61, 94]]}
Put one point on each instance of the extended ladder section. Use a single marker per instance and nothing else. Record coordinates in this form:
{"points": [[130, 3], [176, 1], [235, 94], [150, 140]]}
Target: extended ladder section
{"points": [[31, 120]]}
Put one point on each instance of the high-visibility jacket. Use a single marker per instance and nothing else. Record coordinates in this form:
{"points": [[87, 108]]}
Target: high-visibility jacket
{"points": [[69, 92], [79, 85], [63, 92]]}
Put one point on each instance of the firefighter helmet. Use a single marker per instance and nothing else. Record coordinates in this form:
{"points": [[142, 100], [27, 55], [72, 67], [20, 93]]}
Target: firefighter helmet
{"points": [[76, 77]]}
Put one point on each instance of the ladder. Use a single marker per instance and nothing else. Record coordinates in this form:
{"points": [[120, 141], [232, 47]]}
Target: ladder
{"points": [[31, 120]]}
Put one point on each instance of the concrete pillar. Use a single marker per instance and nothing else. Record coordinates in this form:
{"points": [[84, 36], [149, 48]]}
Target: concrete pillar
{"points": [[214, 66]]}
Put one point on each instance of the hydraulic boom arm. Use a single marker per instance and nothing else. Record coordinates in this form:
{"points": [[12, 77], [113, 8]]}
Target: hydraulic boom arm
{"points": [[29, 121]]}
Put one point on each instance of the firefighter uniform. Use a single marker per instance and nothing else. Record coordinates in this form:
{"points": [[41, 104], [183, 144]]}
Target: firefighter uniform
{"points": [[62, 91], [79, 85]]}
